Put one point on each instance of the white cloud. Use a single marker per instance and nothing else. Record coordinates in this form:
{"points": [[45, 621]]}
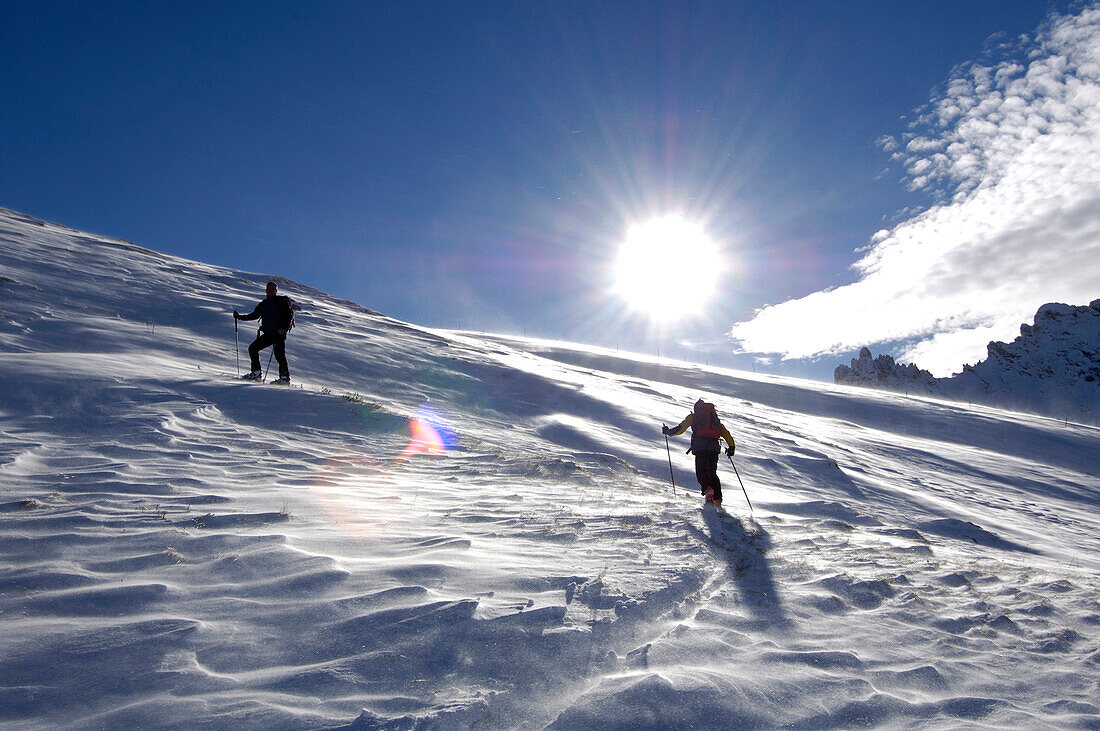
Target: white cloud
{"points": [[937, 354], [1015, 151]]}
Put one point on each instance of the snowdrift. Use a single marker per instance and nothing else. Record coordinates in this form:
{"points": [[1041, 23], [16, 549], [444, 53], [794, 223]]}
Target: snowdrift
{"points": [[438, 529]]}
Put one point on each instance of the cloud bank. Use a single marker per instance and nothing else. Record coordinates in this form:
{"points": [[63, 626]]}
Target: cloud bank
{"points": [[1012, 151]]}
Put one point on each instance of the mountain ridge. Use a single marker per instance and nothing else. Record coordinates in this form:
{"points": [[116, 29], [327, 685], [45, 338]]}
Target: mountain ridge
{"points": [[1051, 368]]}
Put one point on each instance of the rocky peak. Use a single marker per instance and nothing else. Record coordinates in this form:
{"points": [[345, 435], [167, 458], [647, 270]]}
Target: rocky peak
{"points": [[883, 372], [1052, 368]]}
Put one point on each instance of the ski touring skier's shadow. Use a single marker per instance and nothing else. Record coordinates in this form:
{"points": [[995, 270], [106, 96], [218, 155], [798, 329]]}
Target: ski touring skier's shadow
{"points": [[745, 551]]}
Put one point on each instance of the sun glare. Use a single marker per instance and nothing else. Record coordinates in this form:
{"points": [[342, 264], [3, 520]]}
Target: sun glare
{"points": [[667, 268]]}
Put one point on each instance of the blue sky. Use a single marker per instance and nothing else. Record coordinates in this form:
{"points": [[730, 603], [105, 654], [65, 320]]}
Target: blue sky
{"points": [[478, 164]]}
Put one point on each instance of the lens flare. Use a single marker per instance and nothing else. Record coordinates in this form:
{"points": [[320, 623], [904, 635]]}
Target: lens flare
{"points": [[425, 439], [363, 495], [430, 435], [358, 495]]}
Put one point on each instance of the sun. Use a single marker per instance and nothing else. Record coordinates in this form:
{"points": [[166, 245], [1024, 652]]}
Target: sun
{"points": [[667, 268]]}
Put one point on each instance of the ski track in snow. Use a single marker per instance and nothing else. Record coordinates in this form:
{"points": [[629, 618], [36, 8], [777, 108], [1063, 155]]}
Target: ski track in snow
{"points": [[180, 549]]}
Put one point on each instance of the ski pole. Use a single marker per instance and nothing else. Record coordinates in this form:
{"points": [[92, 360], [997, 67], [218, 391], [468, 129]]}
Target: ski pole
{"points": [[742, 485], [668, 450], [237, 342], [268, 369]]}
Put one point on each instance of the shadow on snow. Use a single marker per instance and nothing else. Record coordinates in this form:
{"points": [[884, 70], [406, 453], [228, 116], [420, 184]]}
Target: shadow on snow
{"points": [[744, 552]]}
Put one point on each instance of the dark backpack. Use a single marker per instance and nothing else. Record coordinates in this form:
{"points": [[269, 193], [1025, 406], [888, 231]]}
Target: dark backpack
{"points": [[290, 309]]}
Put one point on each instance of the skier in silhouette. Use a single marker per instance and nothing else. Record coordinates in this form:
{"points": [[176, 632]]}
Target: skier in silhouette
{"points": [[706, 429], [276, 316]]}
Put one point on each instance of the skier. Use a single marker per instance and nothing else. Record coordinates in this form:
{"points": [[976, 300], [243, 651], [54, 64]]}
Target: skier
{"points": [[276, 316], [705, 432]]}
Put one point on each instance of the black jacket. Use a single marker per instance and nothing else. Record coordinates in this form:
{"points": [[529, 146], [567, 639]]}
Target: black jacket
{"points": [[273, 313]]}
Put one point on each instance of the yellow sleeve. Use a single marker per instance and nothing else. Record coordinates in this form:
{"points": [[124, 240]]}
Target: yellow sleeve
{"points": [[726, 435], [683, 425]]}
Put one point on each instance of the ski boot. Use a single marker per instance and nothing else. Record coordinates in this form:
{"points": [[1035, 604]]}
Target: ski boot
{"points": [[253, 376]]}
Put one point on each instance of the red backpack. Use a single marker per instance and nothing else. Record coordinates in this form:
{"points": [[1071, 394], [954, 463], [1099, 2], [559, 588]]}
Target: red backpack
{"points": [[704, 422]]}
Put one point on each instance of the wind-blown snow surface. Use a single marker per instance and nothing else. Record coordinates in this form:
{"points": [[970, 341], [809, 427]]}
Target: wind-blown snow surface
{"points": [[178, 548]]}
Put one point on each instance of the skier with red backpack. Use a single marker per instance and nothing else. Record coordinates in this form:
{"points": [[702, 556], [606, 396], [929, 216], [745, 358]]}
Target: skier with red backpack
{"points": [[706, 430], [276, 316]]}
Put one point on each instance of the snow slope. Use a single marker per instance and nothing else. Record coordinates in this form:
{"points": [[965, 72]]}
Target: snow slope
{"points": [[182, 549]]}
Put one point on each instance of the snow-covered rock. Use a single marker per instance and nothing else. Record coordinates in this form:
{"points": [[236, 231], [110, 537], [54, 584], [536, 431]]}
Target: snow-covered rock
{"points": [[1052, 368], [883, 372]]}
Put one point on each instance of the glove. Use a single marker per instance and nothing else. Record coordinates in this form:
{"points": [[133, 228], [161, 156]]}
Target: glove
{"points": [[664, 429], [729, 450], [236, 315]]}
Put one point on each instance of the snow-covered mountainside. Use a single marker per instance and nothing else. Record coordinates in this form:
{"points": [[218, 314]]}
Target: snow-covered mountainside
{"points": [[437, 529], [1052, 368]]}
